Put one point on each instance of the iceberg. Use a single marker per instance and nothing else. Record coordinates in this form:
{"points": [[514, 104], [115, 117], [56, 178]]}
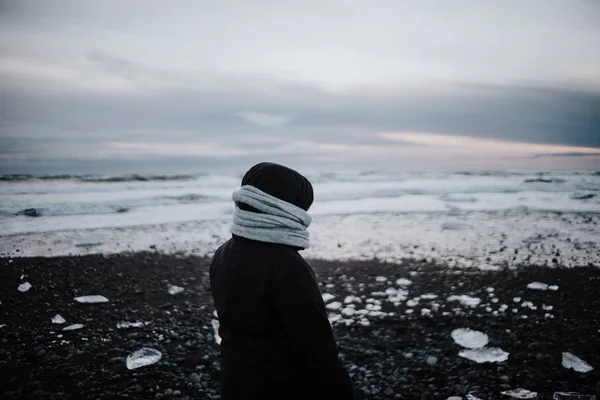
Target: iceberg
{"points": [[73, 327], [484, 355], [328, 297], [23, 287], [403, 282], [520, 394], [573, 362], [572, 396], [469, 338], [142, 357], [173, 290], [91, 299], [465, 300], [57, 319], [541, 286], [473, 397], [124, 325]]}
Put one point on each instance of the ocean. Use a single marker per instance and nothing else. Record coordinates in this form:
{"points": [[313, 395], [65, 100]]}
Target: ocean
{"points": [[54, 214]]}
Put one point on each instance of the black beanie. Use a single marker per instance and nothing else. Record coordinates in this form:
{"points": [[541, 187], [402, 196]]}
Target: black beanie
{"points": [[281, 182]]}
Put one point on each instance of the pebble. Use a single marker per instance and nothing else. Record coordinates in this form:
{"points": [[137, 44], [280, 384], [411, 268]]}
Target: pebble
{"points": [[431, 360], [373, 350], [472, 375], [194, 378]]}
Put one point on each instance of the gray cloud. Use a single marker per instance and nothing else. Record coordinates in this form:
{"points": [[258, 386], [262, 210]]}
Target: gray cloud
{"points": [[77, 77], [570, 154]]}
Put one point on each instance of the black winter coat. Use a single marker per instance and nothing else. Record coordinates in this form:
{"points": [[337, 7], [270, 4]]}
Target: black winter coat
{"points": [[277, 342]]}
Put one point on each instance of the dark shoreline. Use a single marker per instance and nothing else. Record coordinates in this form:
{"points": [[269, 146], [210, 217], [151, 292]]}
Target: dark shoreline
{"points": [[388, 358]]}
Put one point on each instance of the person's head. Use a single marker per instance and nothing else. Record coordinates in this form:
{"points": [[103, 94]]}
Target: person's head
{"points": [[281, 182]]}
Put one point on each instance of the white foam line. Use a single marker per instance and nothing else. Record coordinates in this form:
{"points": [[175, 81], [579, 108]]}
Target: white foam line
{"points": [[493, 240]]}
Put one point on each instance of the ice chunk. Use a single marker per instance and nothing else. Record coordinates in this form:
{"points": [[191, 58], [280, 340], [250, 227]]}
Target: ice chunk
{"points": [[403, 282], [541, 286], [485, 354], [520, 394], [454, 398], [142, 357], [516, 299], [469, 338], [2, 325], [537, 286], [472, 397], [173, 290], [399, 296], [57, 319], [429, 296], [412, 303], [348, 311], [465, 300], [328, 297], [216, 325], [352, 299], [124, 325], [571, 361], [490, 289], [572, 396], [336, 305], [73, 327], [529, 305], [91, 299], [335, 318], [23, 287], [381, 279]]}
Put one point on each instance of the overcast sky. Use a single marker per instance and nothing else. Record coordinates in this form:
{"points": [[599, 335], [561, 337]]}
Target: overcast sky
{"points": [[171, 85]]}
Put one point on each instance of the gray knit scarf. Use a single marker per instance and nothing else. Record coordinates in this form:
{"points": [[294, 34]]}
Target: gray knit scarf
{"points": [[282, 222]]}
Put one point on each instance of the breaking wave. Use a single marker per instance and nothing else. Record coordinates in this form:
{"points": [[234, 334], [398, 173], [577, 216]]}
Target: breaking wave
{"points": [[98, 178]]}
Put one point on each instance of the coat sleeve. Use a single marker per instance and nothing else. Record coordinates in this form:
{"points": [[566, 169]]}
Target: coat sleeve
{"points": [[300, 309]]}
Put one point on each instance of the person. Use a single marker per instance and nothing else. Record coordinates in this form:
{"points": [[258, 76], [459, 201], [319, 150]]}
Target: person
{"points": [[276, 339]]}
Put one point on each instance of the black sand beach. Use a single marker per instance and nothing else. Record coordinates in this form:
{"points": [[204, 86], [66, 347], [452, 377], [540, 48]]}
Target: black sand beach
{"points": [[405, 356]]}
